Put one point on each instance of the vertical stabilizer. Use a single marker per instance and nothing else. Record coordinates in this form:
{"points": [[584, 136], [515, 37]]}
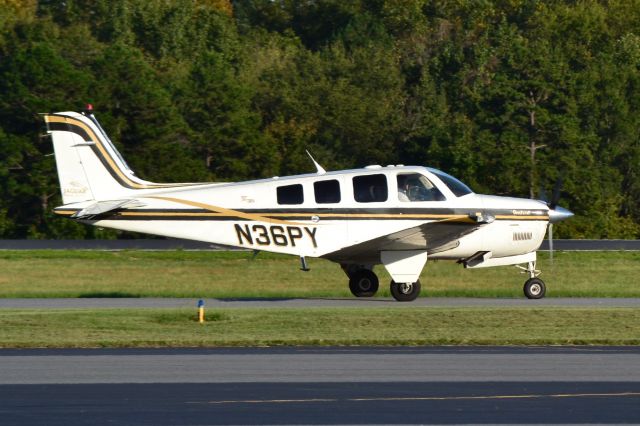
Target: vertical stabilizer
{"points": [[89, 166], [74, 183]]}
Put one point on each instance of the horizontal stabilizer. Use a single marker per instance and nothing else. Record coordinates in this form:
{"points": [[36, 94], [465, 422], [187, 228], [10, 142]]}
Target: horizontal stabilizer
{"points": [[105, 206]]}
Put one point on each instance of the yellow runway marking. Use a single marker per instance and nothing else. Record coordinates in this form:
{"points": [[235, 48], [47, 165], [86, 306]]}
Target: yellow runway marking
{"points": [[422, 398], [266, 401], [533, 396]]}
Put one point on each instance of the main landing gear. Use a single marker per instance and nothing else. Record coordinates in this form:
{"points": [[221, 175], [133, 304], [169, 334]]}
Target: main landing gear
{"points": [[534, 287], [363, 282]]}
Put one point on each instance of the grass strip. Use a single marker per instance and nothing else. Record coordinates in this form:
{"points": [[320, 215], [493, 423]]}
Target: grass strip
{"points": [[49, 273], [318, 326]]}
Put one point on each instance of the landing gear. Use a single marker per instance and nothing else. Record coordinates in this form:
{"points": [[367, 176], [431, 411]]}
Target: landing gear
{"points": [[534, 287], [363, 283], [405, 292]]}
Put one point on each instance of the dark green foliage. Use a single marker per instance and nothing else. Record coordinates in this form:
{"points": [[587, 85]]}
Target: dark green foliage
{"points": [[227, 132], [507, 95]]}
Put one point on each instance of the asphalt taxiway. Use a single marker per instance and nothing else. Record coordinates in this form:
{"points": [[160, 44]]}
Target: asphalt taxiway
{"points": [[436, 385], [369, 385]]}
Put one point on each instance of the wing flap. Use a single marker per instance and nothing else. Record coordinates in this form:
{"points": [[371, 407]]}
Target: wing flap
{"points": [[434, 237]]}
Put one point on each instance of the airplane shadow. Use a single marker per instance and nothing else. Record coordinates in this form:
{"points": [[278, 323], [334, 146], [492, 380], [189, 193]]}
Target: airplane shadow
{"points": [[286, 299], [108, 295], [253, 299]]}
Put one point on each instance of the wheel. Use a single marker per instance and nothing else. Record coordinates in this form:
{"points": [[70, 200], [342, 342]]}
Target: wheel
{"points": [[363, 283], [405, 292], [534, 288]]}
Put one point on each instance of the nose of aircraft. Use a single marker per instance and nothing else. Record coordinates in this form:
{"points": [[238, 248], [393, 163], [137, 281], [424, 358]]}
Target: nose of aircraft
{"points": [[559, 214]]}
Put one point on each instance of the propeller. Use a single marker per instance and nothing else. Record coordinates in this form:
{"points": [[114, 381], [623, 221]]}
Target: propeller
{"points": [[556, 213], [555, 196]]}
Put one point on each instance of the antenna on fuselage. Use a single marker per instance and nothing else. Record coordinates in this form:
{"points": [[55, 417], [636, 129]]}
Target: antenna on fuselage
{"points": [[319, 168]]}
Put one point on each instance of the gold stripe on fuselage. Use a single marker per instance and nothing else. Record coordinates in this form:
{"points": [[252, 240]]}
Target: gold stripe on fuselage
{"points": [[269, 216], [515, 217], [228, 212], [161, 214]]}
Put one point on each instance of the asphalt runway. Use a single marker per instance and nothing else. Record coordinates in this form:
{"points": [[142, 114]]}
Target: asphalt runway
{"points": [[421, 385], [351, 302]]}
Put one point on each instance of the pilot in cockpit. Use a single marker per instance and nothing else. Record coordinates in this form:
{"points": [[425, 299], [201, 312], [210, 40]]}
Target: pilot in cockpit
{"points": [[415, 187], [403, 188]]}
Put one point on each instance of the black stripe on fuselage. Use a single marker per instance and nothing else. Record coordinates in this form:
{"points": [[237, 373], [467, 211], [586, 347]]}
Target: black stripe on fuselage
{"points": [[308, 214], [386, 211], [316, 211]]}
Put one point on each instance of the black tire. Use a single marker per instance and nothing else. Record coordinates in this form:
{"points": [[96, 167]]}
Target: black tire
{"points": [[405, 292], [363, 283], [534, 288]]}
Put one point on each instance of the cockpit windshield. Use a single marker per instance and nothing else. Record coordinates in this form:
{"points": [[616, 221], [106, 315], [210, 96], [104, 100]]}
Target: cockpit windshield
{"points": [[457, 187]]}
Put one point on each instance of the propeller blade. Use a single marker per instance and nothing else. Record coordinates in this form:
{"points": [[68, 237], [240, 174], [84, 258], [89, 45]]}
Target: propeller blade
{"points": [[543, 195], [555, 196]]}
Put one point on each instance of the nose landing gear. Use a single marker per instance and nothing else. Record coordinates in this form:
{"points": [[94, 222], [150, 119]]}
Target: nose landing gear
{"points": [[534, 287]]}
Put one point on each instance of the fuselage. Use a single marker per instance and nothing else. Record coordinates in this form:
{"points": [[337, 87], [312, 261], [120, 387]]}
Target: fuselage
{"points": [[318, 215]]}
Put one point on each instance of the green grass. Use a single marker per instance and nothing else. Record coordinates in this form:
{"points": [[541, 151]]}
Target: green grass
{"points": [[318, 326], [236, 274]]}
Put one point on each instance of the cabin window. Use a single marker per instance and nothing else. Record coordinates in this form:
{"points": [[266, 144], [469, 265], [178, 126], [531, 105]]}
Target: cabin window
{"points": [[327, 191], [416, 187], [370, 188], [290, 194]]}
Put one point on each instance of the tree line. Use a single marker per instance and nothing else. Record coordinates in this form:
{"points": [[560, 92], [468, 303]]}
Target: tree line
{"points": [[507, 95]]}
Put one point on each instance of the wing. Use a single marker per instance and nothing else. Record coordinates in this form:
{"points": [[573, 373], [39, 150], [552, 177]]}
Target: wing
{"points": [[435, 237]]}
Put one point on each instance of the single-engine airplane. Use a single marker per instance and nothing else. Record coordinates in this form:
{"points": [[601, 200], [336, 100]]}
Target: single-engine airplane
{"points": [[398, 216]]}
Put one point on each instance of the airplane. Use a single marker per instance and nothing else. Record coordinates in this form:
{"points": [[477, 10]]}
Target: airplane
{"points": [[398, 216]]}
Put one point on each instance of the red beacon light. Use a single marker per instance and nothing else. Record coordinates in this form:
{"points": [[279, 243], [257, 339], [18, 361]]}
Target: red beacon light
{"points": [[88, 110]]}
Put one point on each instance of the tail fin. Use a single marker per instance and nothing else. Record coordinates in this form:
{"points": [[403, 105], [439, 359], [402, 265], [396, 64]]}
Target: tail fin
{"points": [[89, 166]]}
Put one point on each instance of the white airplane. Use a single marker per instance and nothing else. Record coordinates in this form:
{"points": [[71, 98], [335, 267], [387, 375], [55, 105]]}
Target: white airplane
{"points": [[397, 216]]}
